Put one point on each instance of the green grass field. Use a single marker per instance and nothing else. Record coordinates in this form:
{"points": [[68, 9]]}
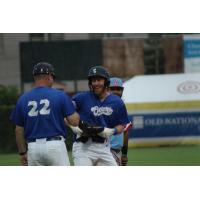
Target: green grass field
{"points": [[160, 156]]}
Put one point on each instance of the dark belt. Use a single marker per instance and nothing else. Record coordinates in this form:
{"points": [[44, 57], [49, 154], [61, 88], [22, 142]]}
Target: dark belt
{"points": [[82, 139], [47, 139], [96, 139], [116, 150]]}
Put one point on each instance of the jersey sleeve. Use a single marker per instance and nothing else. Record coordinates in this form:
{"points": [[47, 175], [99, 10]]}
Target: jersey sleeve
{"points": [[68, 106], [17, 116], [77, 101], [122, 113]]}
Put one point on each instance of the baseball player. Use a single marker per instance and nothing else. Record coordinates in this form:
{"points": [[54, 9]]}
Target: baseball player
{"points": [[39, 119], [119, 143], [100, 108]]}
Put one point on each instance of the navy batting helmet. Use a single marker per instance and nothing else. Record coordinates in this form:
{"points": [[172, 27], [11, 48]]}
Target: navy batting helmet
{"points": [[99, 71], [43, 68]]}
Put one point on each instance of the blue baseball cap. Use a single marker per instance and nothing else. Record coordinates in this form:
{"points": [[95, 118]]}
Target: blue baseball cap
{"points": [[116, 82]]}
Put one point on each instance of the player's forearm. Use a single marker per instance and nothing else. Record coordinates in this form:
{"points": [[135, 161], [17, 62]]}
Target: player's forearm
{"points": [[126, 137], [119, 128], [73, 119], [124, 158], [20, 140]]}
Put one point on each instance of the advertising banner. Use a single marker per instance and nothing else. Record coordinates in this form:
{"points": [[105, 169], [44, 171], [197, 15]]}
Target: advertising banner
{"points": [[165, 125], [191, 45]]}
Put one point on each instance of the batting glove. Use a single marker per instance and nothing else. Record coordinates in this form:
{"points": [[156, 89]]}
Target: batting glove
{"points": [[107, 132], [76, 130]]}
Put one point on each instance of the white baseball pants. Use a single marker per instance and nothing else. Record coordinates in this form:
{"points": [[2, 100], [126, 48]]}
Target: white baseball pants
{"points": [[92, 154], [48, 153]]}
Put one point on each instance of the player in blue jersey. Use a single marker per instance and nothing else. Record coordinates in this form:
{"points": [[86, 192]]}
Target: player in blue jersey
{"points": [[39, 119], [98, 107], [119, 143]]}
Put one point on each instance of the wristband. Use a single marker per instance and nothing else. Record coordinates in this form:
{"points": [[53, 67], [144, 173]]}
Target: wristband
{"points": [[115, 131], [124, 150], [22, 153]]}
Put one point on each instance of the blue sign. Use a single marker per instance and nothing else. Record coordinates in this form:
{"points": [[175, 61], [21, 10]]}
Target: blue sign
{"points": [[165, 125], [192, 48]]}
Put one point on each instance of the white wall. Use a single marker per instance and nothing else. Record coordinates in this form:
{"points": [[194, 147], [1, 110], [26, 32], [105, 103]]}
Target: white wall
{"points": [[10, 60], [162, 88]]}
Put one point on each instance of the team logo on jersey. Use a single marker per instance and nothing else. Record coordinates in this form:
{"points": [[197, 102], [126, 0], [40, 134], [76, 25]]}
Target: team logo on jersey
{"points": [[97, 111]]}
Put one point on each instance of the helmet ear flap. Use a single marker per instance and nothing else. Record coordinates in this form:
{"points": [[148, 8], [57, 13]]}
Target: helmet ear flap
{"points": [[107, 83], [89, 82]]}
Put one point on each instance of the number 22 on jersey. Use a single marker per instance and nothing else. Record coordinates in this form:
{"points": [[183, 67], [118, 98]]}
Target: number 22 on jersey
{"points": [[45, 110]]}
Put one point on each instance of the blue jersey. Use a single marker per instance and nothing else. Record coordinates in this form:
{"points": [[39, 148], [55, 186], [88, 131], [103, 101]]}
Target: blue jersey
{"points": [[42, 111], [116, 141], [107, 113]]}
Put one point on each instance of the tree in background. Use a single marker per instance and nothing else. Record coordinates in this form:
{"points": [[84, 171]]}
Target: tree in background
{"points": [[8, 98], [8, 95]]}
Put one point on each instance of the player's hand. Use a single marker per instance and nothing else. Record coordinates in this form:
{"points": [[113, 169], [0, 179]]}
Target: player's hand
{"points": [[124, 160], [76, 130], [24, 160]]}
